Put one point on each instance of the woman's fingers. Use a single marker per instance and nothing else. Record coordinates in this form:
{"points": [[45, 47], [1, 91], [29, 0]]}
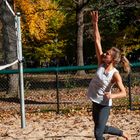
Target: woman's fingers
{"points": [[94, 15], [96, 12]]}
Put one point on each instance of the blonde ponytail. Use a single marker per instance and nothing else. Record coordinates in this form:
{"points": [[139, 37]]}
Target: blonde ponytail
{"points": [[125, 63], [119, 57]]}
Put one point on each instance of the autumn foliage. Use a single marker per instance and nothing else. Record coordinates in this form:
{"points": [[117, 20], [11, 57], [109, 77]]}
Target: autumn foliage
{"points": [[40, 18], [41, 21]]}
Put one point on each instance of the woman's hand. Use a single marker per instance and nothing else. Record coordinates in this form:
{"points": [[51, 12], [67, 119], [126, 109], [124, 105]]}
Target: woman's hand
{"points": [[94, 15], [107, 96]]}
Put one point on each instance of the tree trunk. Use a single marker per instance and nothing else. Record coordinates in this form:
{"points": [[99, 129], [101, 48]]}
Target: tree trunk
{"points": [[9, 45], [80, 29]]}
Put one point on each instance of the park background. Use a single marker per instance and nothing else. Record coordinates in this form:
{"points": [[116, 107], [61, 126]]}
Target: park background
{"points": [[59, 62]]}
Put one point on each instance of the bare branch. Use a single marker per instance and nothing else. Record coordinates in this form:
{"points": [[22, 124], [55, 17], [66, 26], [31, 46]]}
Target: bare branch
{"points": [[127, 3], [76, 2], [81, 5], [86, 2]]}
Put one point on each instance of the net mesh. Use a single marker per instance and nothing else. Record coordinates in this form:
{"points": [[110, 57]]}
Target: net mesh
{"points": [[8, 37]]}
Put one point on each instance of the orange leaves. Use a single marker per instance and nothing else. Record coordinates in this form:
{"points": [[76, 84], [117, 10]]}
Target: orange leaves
{"points": [[37, 27], [40, 17], [26, 6]]}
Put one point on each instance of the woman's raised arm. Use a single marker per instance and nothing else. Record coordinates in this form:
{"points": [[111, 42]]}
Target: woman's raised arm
{"points": [[96, 36]]}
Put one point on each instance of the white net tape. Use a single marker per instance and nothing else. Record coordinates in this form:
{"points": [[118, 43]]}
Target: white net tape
{"points": [[9, 7], [16, 61], [8, 65]]}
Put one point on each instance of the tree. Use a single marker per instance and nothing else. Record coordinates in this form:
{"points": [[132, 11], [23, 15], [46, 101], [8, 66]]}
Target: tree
{"points": [[68, 30], [78, 7], [83, 8], [111, 14], [41, 21], [129, 40], [118, 20], [9, 44], [129, 35]]}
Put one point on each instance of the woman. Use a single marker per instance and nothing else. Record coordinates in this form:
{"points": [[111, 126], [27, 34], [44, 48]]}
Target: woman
{"points": [[99, 90]]}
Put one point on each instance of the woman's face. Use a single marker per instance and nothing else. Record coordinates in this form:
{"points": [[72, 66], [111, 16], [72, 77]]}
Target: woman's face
{"points": [[107, 57]]}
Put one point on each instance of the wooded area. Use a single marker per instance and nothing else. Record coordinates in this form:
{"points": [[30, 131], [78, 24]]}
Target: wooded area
{"points": [[59, 33], [61, 30]]}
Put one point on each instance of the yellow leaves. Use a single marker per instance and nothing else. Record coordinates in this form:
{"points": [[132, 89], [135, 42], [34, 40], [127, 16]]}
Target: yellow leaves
{"points": [[131, 48], [37, 27], [26, 6], [40, 17]]}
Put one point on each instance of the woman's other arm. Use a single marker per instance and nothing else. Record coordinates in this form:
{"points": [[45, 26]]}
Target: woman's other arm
{"points": [[122, 92]]}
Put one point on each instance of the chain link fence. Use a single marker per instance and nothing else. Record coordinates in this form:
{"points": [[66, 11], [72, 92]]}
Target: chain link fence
{"points": [[65, 90]]}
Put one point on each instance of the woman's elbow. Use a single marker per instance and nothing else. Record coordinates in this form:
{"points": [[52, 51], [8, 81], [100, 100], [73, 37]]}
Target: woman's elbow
{"points": [[124, 94], [97, 41]]}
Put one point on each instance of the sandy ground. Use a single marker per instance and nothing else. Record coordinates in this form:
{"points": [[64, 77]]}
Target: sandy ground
{"points": [[77, 125]]}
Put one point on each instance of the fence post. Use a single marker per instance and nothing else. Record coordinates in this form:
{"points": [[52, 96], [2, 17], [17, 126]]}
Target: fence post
{"points": [[57, 90], [129, 87]]}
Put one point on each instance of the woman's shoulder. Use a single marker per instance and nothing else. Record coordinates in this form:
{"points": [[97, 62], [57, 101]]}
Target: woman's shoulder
{"points": [[115, 70], [116, 74]]}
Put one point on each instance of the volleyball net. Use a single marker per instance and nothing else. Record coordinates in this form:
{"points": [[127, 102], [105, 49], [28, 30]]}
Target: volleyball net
{"points": [[14, 32], [8, 65], [10, 48]]}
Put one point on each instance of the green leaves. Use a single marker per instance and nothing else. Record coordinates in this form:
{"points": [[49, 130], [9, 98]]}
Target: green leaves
{"points": [[129, 40], [49, 51]]}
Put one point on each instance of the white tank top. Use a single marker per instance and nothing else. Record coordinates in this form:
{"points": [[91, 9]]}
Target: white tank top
{"points": [[100, 84]]}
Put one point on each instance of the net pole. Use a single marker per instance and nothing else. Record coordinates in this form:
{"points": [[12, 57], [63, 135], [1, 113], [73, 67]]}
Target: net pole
{"points": [[20, 58]]}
